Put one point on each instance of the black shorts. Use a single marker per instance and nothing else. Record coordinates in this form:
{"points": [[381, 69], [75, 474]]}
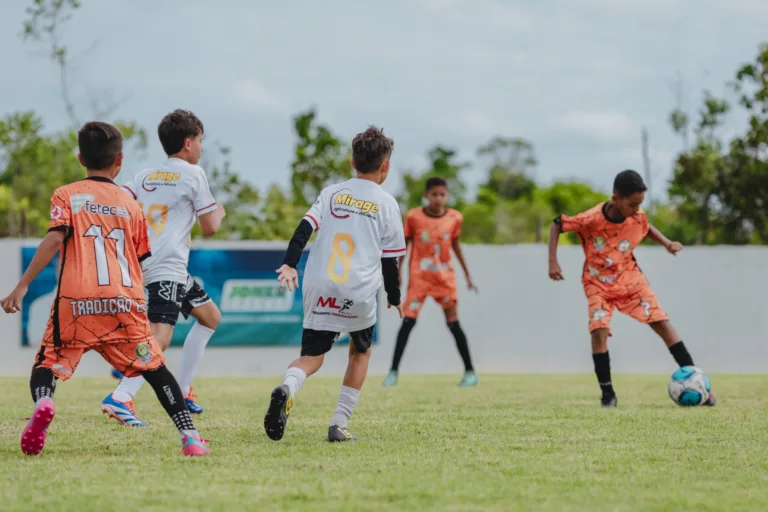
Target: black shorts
{"points": [[166, 299], [317, 343]]}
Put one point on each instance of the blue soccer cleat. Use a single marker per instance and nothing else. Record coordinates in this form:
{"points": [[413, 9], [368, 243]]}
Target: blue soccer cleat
{"points": [[123, 412], [391, 380], [470, 379], [194, 407]]}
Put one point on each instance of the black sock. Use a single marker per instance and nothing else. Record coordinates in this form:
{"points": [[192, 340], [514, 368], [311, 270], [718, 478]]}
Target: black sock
{"points": [[402, 339], [42, 383], [681, 355], [461, 344], [603, 372], [169, 393]]}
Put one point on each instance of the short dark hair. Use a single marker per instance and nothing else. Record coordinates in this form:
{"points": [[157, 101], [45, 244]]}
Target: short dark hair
{"points": [[176, 127], [99, 144], [435, 181], [370, 149], [628, 182]]}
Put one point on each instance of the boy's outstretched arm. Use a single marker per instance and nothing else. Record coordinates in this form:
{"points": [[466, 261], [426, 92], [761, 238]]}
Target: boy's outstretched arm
{"points": [[658, 237], [287, 275], [47, 250], [456, 245], [555, 273]]}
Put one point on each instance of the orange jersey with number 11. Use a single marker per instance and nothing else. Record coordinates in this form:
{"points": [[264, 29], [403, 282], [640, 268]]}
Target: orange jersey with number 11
{"points": [[100, 297]]}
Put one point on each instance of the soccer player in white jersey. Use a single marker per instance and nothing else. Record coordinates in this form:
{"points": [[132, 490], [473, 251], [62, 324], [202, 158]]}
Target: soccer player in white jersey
{"points": [[360, 236], [173, 196]]}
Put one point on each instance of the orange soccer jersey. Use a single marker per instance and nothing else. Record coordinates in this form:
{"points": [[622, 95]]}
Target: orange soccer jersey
{"points": [[611, 276], [431, 266], [100, 303]]}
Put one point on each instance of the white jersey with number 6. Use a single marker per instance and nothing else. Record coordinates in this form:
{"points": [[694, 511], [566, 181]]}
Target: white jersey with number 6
{"points": [[358, 223], [172, 197]]}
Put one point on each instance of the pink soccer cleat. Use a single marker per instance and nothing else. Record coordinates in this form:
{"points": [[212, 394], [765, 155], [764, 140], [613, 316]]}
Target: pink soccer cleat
{"points": [[194, 447], [33, 438]]}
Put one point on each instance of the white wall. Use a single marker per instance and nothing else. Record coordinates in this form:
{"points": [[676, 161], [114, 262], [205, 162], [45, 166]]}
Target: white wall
{"points": [[523, 322]]}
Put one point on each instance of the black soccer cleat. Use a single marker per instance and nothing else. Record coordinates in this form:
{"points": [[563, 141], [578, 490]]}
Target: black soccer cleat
{"points": [[608, 401], [277, 414], [711, 401], [336, 434]]}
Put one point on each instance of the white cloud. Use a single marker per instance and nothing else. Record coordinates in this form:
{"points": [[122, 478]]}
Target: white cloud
{"points": [[603, 125], [255, 95]]}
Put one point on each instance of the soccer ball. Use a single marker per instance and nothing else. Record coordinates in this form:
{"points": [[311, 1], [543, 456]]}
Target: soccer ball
{"points": [[689, 386]]}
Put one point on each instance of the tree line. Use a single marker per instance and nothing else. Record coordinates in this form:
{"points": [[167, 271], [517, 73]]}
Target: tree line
{"points": [[717, 193]]}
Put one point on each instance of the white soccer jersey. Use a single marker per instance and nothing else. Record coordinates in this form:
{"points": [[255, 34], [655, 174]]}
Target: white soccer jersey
{"points": [[358, 223], [172, 197]]}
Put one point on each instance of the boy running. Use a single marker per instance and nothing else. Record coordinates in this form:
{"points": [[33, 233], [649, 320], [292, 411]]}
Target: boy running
{"points": [[609, 233], [174, 196], [360, 239], [432, 232], [99, 305]]}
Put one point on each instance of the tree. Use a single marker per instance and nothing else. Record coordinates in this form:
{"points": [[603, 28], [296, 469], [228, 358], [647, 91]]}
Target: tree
{"points": [[512, 161], [320, 158]]}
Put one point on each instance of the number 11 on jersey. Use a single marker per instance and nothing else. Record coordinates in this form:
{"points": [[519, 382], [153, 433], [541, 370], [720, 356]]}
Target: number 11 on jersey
{"points": [[342, 251]]}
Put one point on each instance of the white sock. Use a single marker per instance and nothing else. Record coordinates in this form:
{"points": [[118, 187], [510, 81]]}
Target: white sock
{"points": [[128, 388], [190, 433], [192, 354], [347, 402], [294, 378]]}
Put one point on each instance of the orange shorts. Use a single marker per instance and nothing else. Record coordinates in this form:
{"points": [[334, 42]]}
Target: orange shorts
{"points": [[445, 297], [636, 299], [129, 358]]}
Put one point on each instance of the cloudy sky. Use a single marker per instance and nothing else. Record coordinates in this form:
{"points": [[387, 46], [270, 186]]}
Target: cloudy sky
{"points": [[578, 78]]}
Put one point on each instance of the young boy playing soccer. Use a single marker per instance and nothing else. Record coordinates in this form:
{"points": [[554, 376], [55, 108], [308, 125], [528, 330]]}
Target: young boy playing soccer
{"points": [[432, 232], [102, 235], [609, 233], [174, 196], [360, 239]]}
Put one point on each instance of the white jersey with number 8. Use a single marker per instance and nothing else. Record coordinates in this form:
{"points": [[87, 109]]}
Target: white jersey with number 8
{"points": [[172, 197], [358, 223]]}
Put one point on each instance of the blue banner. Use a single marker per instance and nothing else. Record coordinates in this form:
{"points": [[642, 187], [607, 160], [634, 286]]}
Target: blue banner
{"points": [[242, 282]]}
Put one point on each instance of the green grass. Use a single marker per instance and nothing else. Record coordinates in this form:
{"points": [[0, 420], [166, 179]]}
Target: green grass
{"points": [[518, 442]]}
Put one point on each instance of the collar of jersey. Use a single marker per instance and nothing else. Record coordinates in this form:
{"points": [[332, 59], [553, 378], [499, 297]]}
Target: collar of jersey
{"points": [[99, 178]]}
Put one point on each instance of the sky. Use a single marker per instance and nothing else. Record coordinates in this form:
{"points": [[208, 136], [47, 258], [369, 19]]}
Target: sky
{"points": [[577, 78]]}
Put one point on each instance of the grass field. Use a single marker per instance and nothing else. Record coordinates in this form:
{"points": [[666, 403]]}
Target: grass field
{"points": [[512, 443]]}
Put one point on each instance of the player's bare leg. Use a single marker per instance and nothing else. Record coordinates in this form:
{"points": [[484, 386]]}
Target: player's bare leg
{"points": [[677, 348], [283, 396], [603, 366], [119, 405], [208, 317], [357, 369], [452, 319]]}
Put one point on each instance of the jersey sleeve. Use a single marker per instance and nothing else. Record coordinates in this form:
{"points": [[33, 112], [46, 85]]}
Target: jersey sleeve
{"points": [[202, 197], [578, 223], [456, 231], [61, 212], [315, 214], [141, 236], [393, 241], [408, 226], [131, 187]]}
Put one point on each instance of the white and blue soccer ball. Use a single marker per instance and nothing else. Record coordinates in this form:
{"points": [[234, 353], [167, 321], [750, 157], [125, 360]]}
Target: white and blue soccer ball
{"points": [[688, 386]]}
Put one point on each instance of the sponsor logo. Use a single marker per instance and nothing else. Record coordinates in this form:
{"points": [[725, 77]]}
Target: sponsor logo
{"points": [[161, 178], [332, 303], [599, 243], [77, 201], [105, 307], [255, 296], [143, 353], [624, 246], [56, 212], [344, 204], [169, 394], [598, 314], [425, 236], [414, 305]]}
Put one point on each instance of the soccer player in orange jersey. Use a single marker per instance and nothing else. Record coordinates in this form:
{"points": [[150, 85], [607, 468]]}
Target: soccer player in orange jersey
{"points": [[609, 233], [102, 235], [432, 232]]}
